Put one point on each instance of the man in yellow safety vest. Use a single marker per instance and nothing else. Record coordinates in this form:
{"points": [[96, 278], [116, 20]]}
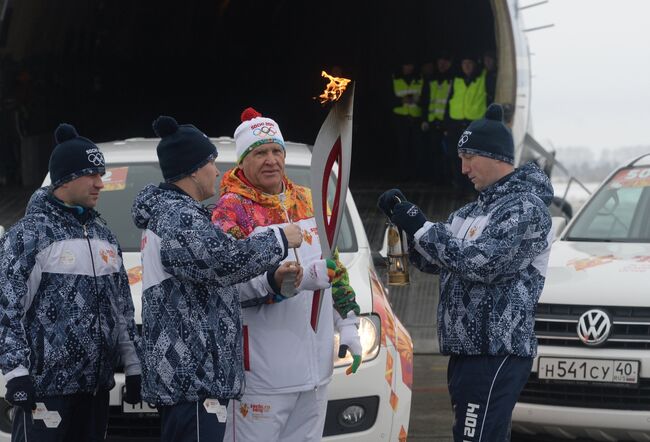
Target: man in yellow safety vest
{"points": [[467, 102]]}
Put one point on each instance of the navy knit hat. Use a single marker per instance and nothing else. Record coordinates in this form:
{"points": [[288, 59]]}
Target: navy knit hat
{"points": [[489, 137], [73, 156], [183, 149]]}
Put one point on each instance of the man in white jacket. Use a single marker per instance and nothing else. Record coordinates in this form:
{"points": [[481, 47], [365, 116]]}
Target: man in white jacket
{"points": [[288, 361]]}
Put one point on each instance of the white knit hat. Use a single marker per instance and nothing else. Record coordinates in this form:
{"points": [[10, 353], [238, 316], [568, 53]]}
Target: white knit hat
{"points": [[254, 131]]}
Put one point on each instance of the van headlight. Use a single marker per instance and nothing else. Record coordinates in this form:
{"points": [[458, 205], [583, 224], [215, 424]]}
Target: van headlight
{"points": [[370, 333]]}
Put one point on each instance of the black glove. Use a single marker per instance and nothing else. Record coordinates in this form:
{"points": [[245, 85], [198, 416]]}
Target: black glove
{"points": [[20, 393], [132, 395], [408, 217], [388, 199]]}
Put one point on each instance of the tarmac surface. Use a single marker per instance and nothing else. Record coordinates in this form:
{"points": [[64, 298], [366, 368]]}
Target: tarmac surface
{"points": [[431, 415]]}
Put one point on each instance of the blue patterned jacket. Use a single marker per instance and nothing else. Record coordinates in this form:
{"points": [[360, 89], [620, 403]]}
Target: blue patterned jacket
{"points": [[492, 256], [191, 317], [66, 314]]}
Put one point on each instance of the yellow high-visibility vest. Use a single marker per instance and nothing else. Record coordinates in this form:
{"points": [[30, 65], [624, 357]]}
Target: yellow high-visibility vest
{"points": [[468, 102], [402, 89], [438, 97]]}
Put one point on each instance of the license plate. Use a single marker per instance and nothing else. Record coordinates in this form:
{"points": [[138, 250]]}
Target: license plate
{"points": [[589, 370], [141, 407]]}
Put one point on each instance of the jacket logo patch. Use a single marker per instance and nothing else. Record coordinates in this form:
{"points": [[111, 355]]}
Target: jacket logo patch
{"points": [[307, 236], [67, 258], [472, 232], [257, 411], [107, 255], [134, 274], [260, 409]]}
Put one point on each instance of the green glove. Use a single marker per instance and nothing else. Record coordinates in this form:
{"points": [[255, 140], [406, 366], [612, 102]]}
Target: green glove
{"points": [[344, 299], [336, 272]]}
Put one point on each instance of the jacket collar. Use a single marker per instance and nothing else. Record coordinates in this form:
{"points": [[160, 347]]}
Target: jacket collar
{"points": [[235, 182]]}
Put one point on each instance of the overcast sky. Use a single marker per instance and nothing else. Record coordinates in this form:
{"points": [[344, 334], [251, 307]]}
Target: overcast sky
{"points": [[591, 72]]}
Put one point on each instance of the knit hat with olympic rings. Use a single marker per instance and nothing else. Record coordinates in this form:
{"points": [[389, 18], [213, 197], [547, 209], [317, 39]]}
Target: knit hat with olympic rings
{"points": [[489, 137], [255, 130], [73, 156]]}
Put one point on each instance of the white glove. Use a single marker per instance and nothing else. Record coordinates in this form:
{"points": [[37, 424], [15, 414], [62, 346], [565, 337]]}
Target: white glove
{"points": [[349, 336], [315, 276]]}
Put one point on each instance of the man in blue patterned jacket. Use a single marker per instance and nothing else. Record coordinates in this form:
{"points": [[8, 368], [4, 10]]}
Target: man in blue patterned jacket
{"points": [[66, 314], [192, 333], [492, 256]]}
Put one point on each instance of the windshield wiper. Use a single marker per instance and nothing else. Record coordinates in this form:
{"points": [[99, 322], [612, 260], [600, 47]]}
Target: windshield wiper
{"points": [[591, 239]]}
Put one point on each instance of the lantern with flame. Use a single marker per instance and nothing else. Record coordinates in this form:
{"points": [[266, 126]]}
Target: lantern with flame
{"points": [[398, 272]]}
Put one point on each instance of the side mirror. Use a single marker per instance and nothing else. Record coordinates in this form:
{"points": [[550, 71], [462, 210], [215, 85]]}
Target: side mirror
{"points": [[561, 207], [380, 257], [559, 223], [2, 231], [380, 262]]}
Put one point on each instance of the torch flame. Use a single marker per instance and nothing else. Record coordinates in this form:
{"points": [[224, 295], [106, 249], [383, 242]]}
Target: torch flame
{"points": [[334, 89]]}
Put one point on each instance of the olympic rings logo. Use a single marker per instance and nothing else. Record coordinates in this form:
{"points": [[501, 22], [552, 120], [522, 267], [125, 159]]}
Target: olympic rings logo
{"points": [[96, 158], [264, 131], [464, 138]]}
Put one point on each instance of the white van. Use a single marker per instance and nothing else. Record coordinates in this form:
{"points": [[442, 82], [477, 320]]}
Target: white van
{"points": [[591, 378]]}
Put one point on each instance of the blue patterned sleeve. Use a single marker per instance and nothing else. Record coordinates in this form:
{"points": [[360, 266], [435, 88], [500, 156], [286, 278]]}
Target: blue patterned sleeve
{"points": [[420, 262], [425, 264], [17, 260], [512, 240], [202, 252]]}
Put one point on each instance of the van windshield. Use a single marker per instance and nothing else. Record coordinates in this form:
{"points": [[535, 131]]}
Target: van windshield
{"points": [[618, 212], [122, 182]]}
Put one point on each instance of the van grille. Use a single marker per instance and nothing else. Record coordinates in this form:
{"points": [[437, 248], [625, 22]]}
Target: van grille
{"points": [[556, 324]]}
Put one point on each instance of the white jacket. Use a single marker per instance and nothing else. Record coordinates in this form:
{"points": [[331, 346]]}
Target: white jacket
{"points": [[282, 351]]}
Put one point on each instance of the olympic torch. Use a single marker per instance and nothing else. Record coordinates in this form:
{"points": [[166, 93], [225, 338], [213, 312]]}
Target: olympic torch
{"points": [[333, 146]]}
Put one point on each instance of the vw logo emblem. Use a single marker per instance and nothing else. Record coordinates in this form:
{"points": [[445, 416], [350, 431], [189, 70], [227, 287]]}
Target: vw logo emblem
{"points": [[594, 327]]}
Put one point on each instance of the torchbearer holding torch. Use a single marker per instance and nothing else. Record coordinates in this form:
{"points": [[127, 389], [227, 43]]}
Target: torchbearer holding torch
{"points": [[288, 340]]}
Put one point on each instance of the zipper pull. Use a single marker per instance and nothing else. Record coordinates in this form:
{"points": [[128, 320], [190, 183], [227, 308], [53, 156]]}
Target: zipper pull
{"points": [[85, 231]]}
